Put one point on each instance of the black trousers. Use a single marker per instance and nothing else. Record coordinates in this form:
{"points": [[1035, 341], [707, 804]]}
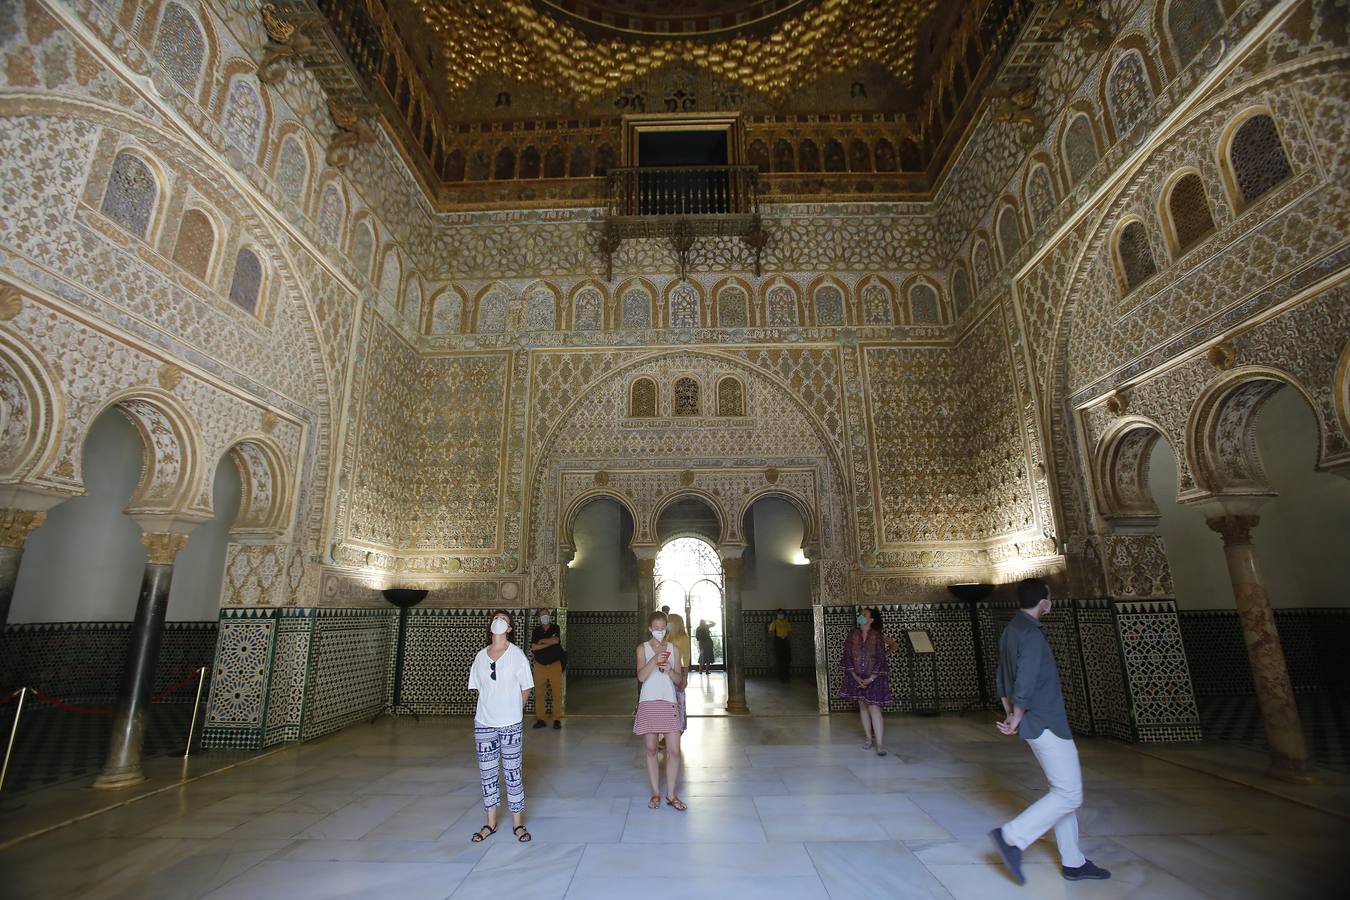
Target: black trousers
{"points": [[782, 651]]}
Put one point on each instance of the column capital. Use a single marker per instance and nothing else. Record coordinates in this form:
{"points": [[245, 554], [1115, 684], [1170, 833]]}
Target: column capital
{"points": [[163, 546], [1234, 529], [17, 524]]}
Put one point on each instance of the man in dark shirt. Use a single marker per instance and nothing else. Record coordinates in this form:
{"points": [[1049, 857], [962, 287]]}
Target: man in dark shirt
{"points": [[546, 646], [1028, 685]]}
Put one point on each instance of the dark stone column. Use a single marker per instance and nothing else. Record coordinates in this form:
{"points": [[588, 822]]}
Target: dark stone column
{"points": [[123, 765], [735, 638], [15, 526], [1274, 692]]}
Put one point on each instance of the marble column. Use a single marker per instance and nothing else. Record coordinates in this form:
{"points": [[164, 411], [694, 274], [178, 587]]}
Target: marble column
{"points": [[15, 526], [733, 635], [1274, 693], [123, 764], [646, 595]]}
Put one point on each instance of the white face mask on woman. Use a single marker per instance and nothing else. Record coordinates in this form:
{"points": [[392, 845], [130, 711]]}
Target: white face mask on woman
{"points": [[500, 626], [659, 634], [543, 620]]}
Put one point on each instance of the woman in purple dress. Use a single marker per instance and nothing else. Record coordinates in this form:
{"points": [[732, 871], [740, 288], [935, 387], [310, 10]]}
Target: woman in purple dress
{"points": [[867, 675]]}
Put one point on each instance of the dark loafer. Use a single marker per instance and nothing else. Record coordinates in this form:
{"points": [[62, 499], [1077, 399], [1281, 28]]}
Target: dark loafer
{"points": [[1012, 856], [1088, 871]]}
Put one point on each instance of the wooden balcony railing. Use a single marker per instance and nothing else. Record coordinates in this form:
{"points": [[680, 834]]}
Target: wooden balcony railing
{"points": [[681, 203], [683, 191]]}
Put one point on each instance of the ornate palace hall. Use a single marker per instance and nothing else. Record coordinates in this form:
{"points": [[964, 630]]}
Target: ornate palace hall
{"points": [[384, 380]]}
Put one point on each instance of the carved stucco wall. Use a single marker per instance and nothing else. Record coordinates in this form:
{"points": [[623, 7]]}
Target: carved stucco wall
{"points": [[935, 429]]}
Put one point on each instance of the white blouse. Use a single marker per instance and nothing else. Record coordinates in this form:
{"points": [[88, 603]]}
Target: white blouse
{"points": [[658, 685], [499, 703]]}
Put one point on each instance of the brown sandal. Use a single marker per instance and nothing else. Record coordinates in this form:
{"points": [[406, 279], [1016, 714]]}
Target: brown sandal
{"points": [[655, 802], [677, 803]]}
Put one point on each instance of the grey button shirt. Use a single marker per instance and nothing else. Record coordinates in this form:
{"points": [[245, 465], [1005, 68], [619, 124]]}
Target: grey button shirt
{"points": [[1027, 676]]}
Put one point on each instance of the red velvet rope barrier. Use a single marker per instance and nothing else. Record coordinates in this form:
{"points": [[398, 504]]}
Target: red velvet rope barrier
{"points": [[9, 697], [69, 707], [189, 677], [94, 711]]}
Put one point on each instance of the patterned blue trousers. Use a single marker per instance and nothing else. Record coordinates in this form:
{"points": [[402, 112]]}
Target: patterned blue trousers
{"points": [[500, 746]]}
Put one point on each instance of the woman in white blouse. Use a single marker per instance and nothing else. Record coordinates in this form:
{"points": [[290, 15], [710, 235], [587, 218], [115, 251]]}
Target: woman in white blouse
{"points": [[501, 675], [659, 669]]}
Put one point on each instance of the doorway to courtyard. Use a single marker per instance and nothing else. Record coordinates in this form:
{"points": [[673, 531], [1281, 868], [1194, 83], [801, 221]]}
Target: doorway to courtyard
{"points": [[689, 580]]}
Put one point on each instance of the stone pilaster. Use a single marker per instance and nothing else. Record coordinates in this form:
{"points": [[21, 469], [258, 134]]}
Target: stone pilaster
{"points": [[123, 764], [15, 526], [1274, 693], [734, 631], [646, 595]]}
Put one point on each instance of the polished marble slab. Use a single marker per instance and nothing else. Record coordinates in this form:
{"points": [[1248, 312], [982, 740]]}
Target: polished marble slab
{"points": [[780, 807]]}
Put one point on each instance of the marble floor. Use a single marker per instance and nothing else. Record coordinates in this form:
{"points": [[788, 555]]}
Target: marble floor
{"points": [[706, 695], [779, 806]]}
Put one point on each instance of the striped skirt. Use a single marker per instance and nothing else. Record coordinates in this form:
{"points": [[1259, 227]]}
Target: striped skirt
{"points": [[656, 717]]}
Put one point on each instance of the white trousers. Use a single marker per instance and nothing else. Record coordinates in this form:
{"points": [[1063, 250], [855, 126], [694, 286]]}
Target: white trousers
{"points": [[1059, 762]]}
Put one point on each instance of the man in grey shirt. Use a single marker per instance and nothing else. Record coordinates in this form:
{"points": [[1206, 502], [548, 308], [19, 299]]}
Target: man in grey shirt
{"points": [[1028, 685]]}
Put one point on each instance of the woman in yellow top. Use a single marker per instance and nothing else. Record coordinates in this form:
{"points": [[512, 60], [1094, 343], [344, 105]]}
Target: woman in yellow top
{"points": [[679, 636], [780, 628]]}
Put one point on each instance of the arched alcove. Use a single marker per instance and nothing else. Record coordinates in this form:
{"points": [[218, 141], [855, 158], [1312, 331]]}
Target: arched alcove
{"points": [[602, 574], [85, 563], [200, 566]]}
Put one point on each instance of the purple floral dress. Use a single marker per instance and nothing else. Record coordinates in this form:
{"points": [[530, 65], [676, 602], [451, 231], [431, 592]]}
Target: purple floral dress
{"points": [[865, 658]]}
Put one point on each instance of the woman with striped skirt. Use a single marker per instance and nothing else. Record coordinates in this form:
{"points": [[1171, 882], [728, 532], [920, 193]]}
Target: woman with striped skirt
{"points": [[659, 669]]}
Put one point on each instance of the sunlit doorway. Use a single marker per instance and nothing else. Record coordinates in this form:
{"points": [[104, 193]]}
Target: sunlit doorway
{"points": [[689, 580]]}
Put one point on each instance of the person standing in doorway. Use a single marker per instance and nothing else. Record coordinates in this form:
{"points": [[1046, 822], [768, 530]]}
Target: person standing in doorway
{"points": [[703, 634], [867, 676], [1028, 685], [780, 629], [546, 645], [500, 674], [658, 668]]}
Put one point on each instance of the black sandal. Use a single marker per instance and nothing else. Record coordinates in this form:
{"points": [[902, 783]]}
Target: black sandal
{"points": [[521, 834], [479, 837]]}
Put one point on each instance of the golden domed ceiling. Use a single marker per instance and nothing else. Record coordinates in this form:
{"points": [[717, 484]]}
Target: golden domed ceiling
{"points": [[522, 102], [583, 49]]}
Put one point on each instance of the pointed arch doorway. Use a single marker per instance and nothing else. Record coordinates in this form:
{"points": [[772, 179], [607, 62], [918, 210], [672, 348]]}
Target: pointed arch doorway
{"points": [[690, 580]]}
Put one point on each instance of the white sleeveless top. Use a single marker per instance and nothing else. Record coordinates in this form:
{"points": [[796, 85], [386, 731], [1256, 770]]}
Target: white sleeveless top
{"points": [[658, 685]]}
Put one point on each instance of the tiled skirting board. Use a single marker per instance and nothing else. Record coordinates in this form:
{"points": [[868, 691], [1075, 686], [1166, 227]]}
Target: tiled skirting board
{"points": [[1316, 643], [82, 662], [1122, 665], [290, 674], [296, 674]]}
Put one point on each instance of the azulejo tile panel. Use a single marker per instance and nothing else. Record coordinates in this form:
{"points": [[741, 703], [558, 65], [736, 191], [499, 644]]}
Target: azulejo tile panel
{"points": [[235, 712], [1162, 702], [600, 644], [349, 668], [440, 647], [949, 628], [286, 687]]}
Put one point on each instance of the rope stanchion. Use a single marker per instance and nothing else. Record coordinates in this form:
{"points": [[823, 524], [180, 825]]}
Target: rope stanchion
{"points": [[13, 732], [192, 725]]}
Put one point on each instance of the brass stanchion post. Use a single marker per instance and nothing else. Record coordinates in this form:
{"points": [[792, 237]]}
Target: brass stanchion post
{"points": [[196, 706], [13, 732]]}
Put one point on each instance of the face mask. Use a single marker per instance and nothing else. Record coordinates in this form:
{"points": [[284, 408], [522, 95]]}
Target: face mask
{"points": [[862, 620], [659, 634], [500, 626], [543, 620]]}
